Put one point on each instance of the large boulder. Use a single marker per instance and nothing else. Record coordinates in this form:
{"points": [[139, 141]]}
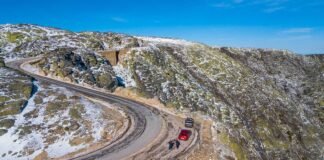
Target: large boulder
{"points": [[79, 66]]}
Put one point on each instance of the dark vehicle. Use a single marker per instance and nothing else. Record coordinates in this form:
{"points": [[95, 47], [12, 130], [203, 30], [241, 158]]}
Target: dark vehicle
{"points": [[189, 122], [184, 135]]}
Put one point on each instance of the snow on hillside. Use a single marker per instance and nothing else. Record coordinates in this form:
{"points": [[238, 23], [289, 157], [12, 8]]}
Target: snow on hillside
{"points": [[125, 74], [156, 40], [58, 131]]}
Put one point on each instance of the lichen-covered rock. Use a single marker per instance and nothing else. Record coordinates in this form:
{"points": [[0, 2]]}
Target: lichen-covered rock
{"points": [[7, 123], [80, 66], [3, 131], [105, 80]]}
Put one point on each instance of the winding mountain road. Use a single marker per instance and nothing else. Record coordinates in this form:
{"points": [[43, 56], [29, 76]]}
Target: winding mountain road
{"points": [[147, 123]]}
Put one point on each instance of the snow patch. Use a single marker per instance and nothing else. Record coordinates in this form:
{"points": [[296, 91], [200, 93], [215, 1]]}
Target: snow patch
{"points": [[166, 40], [125, 74]]}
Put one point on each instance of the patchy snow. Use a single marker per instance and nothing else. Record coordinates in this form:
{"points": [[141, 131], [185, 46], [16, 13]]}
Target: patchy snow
{"points": [[125, 74], [166, 40], [164, 86], [9, 59], [18, 146], [9, 47], [62, 147], [32, 141], [52, 32]]}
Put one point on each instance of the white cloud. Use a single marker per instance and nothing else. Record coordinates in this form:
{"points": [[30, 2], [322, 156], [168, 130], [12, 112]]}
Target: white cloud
{"points": [[297, 31], [273, 9], [119, 19], [299, 37], [222, 5], [267, 6]]}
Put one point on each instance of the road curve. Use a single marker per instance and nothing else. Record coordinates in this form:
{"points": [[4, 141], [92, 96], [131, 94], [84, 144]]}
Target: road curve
{"points": [[147, 124]]}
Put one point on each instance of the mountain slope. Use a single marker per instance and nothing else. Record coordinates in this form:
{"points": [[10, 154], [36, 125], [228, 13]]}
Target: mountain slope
{"points": [[265, 104]]}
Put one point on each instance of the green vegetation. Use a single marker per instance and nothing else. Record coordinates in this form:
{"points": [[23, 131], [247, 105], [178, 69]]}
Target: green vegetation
{"points": [[27, 90], [12, 107], [14, 36], [233, 145], [322, 103], [61, 97], [38, 100], [4, 99], [53, 108], [20, 87], [74, 113], [39, 31], [2, 64], [104, 80], [7, 123], [24, 130], [3, 131], [90, 59], [59, 73], [32, 114], [81, 140]]}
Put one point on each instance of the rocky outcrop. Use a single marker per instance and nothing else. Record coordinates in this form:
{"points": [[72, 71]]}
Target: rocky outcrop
{"points": [[78, 66]]}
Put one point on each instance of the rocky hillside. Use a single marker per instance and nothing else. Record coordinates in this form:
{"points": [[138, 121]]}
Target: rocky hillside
{"points": [[46, 121], [265, 104], [29, 40]]}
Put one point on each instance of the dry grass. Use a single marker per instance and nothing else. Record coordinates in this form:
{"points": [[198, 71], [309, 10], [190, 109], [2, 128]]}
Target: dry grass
{"points": [[206, 148]]}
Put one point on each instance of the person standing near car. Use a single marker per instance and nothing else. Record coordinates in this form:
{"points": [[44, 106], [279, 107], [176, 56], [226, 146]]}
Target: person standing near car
{"points": [[177, 144], [171, 144]]}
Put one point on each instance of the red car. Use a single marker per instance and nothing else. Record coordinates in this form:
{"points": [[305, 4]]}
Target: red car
{"points": [[184, 135]]}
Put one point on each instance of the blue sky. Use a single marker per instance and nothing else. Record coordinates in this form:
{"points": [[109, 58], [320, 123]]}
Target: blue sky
{"points": [[297, 25]]}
